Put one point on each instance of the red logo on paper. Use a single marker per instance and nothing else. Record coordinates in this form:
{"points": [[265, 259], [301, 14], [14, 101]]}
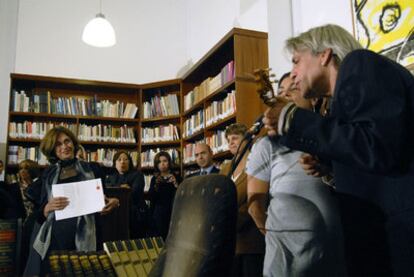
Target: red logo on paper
{"points": [[98, 187]]}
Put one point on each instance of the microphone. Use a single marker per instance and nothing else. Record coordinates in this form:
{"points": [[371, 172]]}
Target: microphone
{"points": [[248, 138], [256, 127]]}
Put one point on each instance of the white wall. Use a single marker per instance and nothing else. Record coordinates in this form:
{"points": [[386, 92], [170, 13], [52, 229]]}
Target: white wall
{"points": [[209, 21], [280, 28], [308, 14], [8, 27], [151, 39], [291, 17]]}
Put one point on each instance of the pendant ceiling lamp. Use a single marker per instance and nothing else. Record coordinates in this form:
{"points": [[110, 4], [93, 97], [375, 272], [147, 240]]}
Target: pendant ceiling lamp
{"points": [[99, 32]]}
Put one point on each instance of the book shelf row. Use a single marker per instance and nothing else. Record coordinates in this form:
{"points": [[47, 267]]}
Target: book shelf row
{"points": [[43, 102], [97, 133], [160, 106], [209, 85]]}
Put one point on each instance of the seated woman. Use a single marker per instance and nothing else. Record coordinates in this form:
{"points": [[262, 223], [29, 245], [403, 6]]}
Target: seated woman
{"points": [[161, 194], [301, 223], [78, 233], [249, 241], [128, 177], [81, 153]]}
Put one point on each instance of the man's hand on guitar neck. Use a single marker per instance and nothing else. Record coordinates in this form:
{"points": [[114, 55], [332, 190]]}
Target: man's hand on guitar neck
{"points": [[272, 114]]}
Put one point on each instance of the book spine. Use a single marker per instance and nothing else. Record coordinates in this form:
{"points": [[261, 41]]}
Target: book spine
{"points": [[115, 259], [134, 258], [106, 264], [125, 260], [142, 254]]}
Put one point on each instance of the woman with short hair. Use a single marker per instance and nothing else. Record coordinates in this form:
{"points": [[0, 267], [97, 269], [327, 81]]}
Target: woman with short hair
{"points": [[250, 245], [77, 233]]}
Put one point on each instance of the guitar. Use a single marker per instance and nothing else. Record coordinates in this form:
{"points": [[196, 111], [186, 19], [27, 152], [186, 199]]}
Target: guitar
{"points": [[265, 86]]}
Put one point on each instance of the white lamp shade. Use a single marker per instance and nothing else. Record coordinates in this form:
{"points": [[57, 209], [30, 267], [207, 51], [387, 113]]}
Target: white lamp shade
{"points": [[99, 32]]}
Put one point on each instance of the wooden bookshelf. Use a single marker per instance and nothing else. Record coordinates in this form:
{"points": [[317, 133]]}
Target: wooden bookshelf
{"points": [[75, 92], [157, 94], [248, 50]]}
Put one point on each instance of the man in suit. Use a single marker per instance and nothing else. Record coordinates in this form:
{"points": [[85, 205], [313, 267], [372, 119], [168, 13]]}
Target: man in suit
{"points": [[204, 159], [368, 139]]}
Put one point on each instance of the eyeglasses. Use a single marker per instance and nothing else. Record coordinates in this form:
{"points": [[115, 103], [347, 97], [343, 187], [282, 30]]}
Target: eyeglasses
{"points": [[66, 142]]}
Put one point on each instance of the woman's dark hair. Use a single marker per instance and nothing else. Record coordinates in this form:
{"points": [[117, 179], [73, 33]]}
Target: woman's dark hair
{"points": [[48, 144], [157, 160], [284, 76], [118, 154]]}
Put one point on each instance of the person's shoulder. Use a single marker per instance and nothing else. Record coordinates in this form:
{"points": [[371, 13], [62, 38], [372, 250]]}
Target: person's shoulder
{"points": [[196, 173], [134, 174], [373, 63], [365, 57], [265, 142], [215, 170], [48, 170], [361, 53]]}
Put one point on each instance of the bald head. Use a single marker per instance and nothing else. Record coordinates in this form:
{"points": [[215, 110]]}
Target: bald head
{"points": [[203, 155]]}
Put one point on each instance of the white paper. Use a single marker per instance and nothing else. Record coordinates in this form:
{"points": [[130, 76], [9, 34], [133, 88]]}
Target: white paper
{"points": [[85, 197]]}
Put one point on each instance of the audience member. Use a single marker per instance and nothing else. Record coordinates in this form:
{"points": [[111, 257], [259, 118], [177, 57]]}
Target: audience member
{"points": [[249, 241], [126, 176], [161, 194], [30, 188], [204, 159], [81, 153]]}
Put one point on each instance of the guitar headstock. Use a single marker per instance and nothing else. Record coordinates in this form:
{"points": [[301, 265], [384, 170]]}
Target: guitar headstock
{"points": [[265, 86]]}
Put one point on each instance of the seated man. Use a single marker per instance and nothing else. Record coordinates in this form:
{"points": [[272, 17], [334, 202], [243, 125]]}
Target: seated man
{"points": [[204, 159]]}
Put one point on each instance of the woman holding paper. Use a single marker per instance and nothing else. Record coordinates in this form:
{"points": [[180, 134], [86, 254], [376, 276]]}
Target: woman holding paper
{"points": [[77, 233]]}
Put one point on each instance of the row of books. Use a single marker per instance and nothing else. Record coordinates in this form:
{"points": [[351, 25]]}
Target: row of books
{"points": [[159, 106], [221, 109], [147, 157], [132, 258], [160, 133], [194, 124], [43, 102], [65, 263], [218, 142], [100, 132], [17, 153], [107, 133], [35, 130], [209, 85]]}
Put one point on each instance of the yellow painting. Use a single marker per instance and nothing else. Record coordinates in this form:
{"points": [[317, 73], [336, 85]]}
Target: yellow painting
{"points": [[386, 27]]}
